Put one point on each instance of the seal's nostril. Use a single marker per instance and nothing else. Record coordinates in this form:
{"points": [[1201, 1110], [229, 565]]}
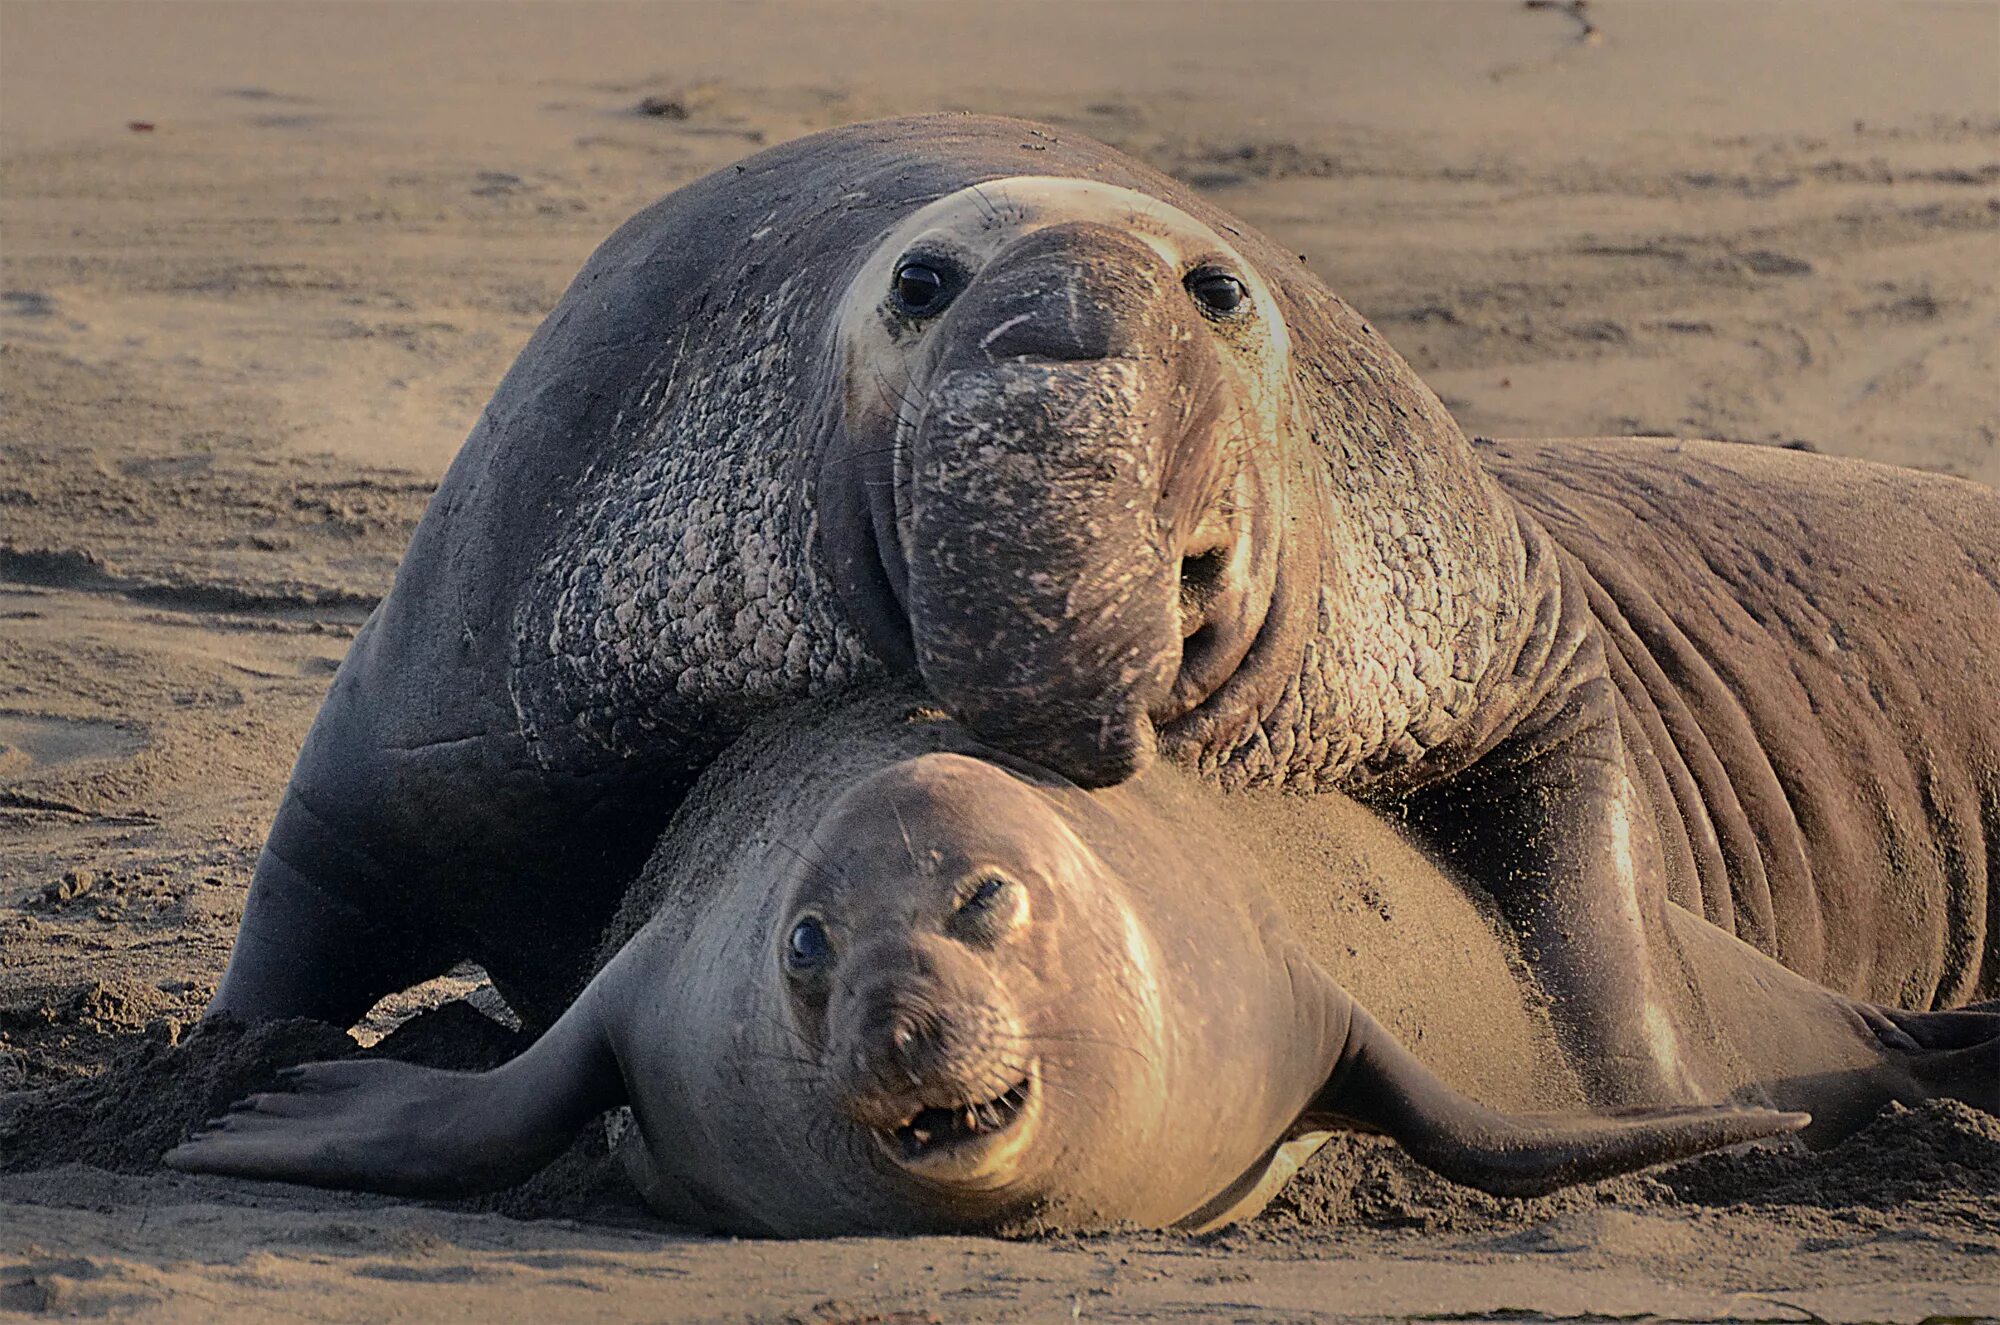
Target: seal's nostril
{"points": [[1202, 577], [1198, 649], [905, 1044], [1217, 607]]}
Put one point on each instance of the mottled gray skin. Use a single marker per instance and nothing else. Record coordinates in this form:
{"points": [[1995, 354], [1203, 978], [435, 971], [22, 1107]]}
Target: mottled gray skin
{"points": [[1116, 959], [1098, 520]]}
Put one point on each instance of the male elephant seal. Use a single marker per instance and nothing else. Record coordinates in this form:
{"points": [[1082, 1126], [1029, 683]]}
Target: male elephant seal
{"points": [[690, 503], [882, 977], [995, 405]]}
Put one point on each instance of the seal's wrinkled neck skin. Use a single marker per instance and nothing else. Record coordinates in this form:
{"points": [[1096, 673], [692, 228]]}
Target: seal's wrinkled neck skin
{"points": [[1060, 430]]}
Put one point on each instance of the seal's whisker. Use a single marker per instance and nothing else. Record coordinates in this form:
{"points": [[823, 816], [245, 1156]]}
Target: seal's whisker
{"points": [[868, 454], [820, 870], [1061, 1090], [1093, 1041], [1006, 203], [903, 399], [792, 1033], [993, 216], [904, 829], [788, 1060]]}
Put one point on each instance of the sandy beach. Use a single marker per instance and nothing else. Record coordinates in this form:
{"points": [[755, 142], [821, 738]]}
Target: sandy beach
{"points": [[262, 264]]}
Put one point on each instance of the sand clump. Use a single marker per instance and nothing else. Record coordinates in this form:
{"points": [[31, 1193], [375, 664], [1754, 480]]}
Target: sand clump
{"points": [[1940, 1152], [1941, 1158], [154, 1094], [159, 1090]]}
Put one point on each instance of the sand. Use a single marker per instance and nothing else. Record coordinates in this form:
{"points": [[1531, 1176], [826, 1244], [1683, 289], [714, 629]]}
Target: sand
{"points": [[260, 265], [1920, 1187]]}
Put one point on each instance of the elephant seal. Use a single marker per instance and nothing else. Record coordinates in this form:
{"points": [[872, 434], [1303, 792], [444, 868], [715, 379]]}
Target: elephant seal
{"points": [[879, 976], [685, 508], [974, 400]]}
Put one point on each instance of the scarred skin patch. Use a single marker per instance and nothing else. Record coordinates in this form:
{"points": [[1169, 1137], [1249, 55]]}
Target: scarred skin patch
{"points": [[689, 582]]}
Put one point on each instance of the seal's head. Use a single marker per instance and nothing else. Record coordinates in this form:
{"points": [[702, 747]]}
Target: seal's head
{"points": [[1054, 391], [966, 991]]}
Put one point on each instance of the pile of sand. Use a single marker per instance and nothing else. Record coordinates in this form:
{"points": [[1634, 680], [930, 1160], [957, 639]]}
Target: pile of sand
{"points": [[1938, 1161], [157, 1093]]}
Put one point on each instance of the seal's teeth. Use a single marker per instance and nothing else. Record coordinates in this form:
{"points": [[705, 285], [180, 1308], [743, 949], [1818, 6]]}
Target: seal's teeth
{"points": [[940, 1125]]}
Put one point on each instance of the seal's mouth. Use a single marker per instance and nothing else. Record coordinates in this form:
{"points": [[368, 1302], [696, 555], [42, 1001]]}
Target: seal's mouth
{"points": [[968, 1143]]}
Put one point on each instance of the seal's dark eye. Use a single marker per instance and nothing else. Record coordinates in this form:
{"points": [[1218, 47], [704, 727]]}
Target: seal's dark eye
{"points": [[1217, 291], [808, 946], [921, 289], [988, 908], [984, 894]]}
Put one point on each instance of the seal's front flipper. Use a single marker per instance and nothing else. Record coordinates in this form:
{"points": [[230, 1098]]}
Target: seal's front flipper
{"points": [[380, 1125], [1377, 1085], [1552, 823]]}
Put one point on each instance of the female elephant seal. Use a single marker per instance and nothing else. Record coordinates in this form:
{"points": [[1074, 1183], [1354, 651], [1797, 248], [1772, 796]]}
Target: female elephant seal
{"points": [[880, 977], [1111, 472]]}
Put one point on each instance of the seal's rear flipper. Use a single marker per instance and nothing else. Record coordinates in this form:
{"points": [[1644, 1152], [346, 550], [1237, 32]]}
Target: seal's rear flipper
{"points": [[1952, 1054], [1761, 1031], [380, 1125], [1380, 1086]]}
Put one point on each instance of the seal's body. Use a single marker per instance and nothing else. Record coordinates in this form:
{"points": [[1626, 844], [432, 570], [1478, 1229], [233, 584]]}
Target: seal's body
{"points": [[1111, 473], [687, 504], [1763, 685], [1806, 653], [880, 977]]}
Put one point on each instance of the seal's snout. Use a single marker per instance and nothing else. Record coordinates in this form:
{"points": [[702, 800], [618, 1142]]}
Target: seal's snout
{"points": [[934, 1051], [1072, 516], [1114, 746], [943, 1080], [918, 1042], [1044, 591]]}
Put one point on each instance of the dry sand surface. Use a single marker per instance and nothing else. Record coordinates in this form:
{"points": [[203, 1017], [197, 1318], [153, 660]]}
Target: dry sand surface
{"points": [[263, 264]]}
